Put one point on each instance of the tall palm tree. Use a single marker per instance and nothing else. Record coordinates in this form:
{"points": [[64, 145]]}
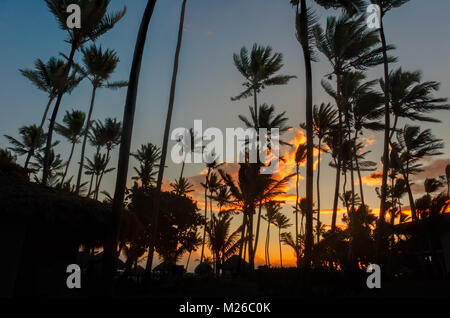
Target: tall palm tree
{"points": [[324, 119], [259, 70], [304, 23], [56, 164], [74, 122], [148, 156], [95, 23], [272, 210], [385, 6], [33, 138], [281, 222], [97, 167], [413, 145], [125, 144], [157, 200], [98, 67], [97, 139], [300, 157]]}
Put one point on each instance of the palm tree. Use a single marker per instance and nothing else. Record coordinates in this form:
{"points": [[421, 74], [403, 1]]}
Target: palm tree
{"points": [[222, 243], [300, 157], [385, 6], [72, 131], [148, 156], [411, 99], [413, 145], [324, 118], [182, 187], [259, 71], [112, 132], [281, 222], [188, 147], [304, 22], [125, 144], [33, 138], [432, 185], [97, 139], [272, 210], [56, 164], [97, 167], [96, 22], [98, 67], [157, 200], [48, 77], [287, 239]]}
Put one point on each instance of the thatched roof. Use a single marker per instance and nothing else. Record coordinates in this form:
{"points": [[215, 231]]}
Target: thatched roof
{"points": [[45, 209]]}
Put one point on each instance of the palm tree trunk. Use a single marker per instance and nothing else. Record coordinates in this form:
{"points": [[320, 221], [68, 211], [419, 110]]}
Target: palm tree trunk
{"points": [[257, 230], [157, 200], [296, 213], [85, 138], [267, 245], [386, 139], [251, 257], [206, 216], [318, 192], [279, 241], [45, 171], [68, 164], [189, 258], [358, 170], [127, 131], [309, 136], [97, 190]]}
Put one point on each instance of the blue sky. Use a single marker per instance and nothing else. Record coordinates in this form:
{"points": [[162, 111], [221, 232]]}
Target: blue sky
{"points": [[207, 78]]}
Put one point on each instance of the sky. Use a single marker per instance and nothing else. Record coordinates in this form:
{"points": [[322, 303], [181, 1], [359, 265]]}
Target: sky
{"points": [[207, 78]]}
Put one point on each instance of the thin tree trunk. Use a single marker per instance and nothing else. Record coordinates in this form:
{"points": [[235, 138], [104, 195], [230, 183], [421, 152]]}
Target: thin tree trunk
{"points": [[257, 230], [85, 138], [296, 214], [97, 190], [358, 171], [267, 244], [45, 171], [206, 216], [189, 258], [318, 192], [309, 136], [386, 141], [165, 144], [68, 163], [250, 239], [124, 152], [279, 240]]}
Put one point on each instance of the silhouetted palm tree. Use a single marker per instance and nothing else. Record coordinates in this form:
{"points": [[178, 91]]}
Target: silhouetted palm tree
{"points": [[413, 145], [165, 143], [281, 222], [74, 122], [148, 156], [96, 168], [385, 6], [272, 210], [447, 177], [95, 22], [182, 187], [300, 157], [112, 132], [432, 185], [98, 67], [56, 164], [33, 139], [324, 119]]}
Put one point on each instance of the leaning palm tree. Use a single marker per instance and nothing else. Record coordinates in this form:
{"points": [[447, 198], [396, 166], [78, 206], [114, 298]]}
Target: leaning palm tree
{"points": [[413, 145], [95, 22], [48, 77], [74, 122], [385, 6], [304, 23], [98, 67], [281, 222], [127, 132], [324, 119], [157, 200], [412, 99], [33, 138]]}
